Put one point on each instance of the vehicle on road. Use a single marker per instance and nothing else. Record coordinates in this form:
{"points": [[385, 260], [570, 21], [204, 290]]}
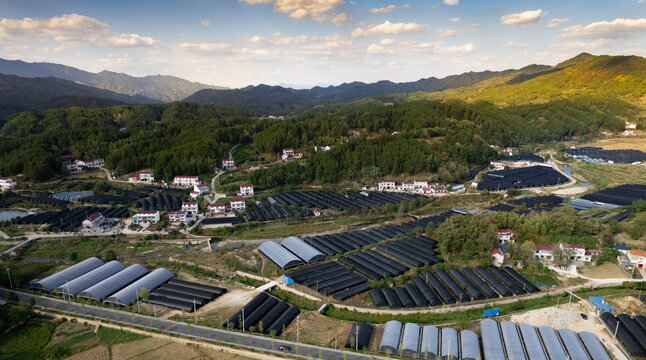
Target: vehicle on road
{"points": [[285, 348], [584, 316]]}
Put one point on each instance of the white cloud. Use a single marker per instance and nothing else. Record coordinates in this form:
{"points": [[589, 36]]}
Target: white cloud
{"points": [[200, 48], [387, 41], [471, 27], [451, 2], [446, 33], [575, 45], [388, 28], [640, 1], [618, 28], [205, 23], [556, 22], [454, 49], [515, 45], [318, 10], [525, 18], [455, 19], [72, 28], [375, 49], [257, 39], [386, 9]]}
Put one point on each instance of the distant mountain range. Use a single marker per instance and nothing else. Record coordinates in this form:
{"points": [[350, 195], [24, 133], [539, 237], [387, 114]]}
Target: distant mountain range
{"points": [[162, 88], [264, 98], [34, 94]]}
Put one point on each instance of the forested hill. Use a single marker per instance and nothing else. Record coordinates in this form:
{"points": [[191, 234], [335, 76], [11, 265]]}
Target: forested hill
{"points": [[603, 77], [162, 88], [34, 94], [265, 99]]}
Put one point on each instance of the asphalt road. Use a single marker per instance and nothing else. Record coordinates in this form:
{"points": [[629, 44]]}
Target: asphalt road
{"points": [[244, 340]]}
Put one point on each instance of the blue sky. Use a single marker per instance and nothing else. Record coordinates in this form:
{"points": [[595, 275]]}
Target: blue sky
{"points": [[236, 43]]}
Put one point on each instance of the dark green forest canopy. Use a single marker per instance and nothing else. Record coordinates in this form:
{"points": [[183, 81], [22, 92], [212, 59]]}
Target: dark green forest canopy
{"points": [[447, 138]]}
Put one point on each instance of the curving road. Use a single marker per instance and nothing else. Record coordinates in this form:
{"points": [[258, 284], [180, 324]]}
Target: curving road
{"points": [[224, 337]]}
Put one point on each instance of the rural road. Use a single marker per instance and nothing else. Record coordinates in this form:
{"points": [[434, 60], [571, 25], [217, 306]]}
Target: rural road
{"points": [[237, 339]]}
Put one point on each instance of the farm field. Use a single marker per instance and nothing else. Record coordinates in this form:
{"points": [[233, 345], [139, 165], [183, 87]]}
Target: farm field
{"points": [[620, 143], [602, 176]]}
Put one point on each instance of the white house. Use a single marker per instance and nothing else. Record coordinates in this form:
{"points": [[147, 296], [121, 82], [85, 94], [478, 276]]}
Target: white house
{"points": [[95, 164], [386, 185], [637, 258], [353, 132], [246, 190], [214, 210], [191, 207], [228, 164], [408, 186], [238, 204], [438, 190], [288, 153], [6, 183], [323, 148], [145, 217], [186, 181], [544, 252], [506, 236], [498, 257], [202, 189], [178, 216], [580, 254], [95, 220], [420, 183], [147, 176]]}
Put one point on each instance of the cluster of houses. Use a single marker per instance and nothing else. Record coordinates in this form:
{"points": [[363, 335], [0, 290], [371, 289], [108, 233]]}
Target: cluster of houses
{"points": [[290, 155], [79, 166], [6, 183], [631, 258], [199, 188], [542, 252], [189, 212], [415, 186]]}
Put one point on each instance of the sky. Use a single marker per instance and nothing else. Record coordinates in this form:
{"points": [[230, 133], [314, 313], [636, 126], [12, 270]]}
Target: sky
{"points": [[302, 43]]}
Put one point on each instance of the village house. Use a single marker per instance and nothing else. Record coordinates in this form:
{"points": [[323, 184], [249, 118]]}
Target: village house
{"points": [[94, 221], [201, 189], [544, 252], [228, 164], [215, 210], [580, 254], [637, 258], [179, 216], [238, 204], [458, 189], [95, 164], [191, 207], [506, 236], [145, 217], [408, 186], [438, 190], [290, 154], [186, 181], [498, 257], [246, 190], [353, 132], [386, 185], [7, 183], [147, 176], [621, 248], [420, 184], [319, 149]]}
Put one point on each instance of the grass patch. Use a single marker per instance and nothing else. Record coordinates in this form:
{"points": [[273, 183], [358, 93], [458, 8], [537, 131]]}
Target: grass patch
{"points": [[109, 336], [248, 281], [301, 302], [602, 175], [27, 341]]}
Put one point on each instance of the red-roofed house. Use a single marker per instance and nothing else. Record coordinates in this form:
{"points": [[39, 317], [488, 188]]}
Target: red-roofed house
{"points": [[228, 164], [420, 183], [191, 207], [386, 185], [246, 190], [353, 132], [95, 220], [498, 257], [238, 204], [506, 236], [214, 210], [202, 189], [408, 186], [637, 258], [179, 216], [544, 252], [6, 183], [145, 217], [579, 252], [147, 176], [186, 181]]}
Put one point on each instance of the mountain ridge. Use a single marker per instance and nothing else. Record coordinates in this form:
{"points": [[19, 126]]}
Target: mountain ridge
{"points": [[163, 88]]}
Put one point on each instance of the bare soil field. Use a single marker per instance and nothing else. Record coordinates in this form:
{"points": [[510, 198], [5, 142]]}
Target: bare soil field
{"points": [[629, 304], [318, 329], [618, 143], [570, 191], [95, 353], [605, 271]]}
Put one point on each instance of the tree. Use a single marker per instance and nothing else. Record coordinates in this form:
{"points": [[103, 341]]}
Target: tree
{"points": [[563, 255], [110, 255], [74, 256], [144, 293]]}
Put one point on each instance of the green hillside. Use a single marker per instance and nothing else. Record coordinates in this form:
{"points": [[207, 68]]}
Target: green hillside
{"points": [[603, 77]]}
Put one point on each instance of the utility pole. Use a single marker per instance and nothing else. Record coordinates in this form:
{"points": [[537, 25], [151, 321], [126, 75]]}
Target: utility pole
{"points": [[242, 319], [616, 329], [356, 340], [9, 275], [155, 311], [298, 327], [137, 294], [195, 311]]}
